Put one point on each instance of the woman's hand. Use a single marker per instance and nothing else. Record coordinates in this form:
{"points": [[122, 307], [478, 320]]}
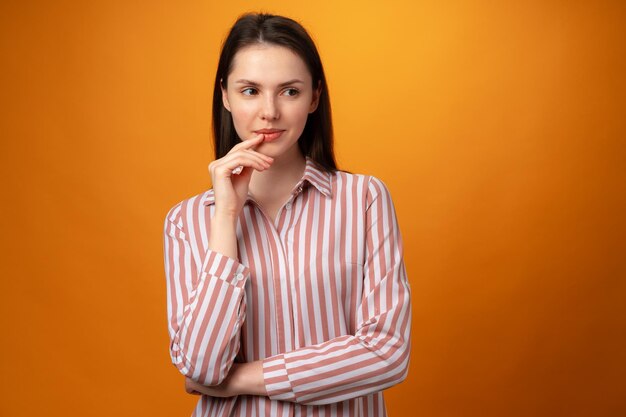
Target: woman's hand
{"points": [[243, 379], [225, 389], [231, 189]]}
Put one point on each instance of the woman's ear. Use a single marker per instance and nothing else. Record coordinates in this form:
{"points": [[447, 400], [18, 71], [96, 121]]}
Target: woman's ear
{"points": [[315, 101], [224, 95]]}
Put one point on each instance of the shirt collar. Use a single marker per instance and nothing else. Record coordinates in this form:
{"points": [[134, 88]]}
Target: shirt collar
{"points": [[313, 174]]}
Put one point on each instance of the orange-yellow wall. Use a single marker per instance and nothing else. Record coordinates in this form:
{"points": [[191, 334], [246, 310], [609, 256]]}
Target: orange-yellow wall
{"points": [[498, 126]]}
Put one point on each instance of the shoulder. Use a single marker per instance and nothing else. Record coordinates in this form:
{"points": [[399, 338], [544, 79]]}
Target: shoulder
{"points": [[189, 208], [369, 185]]}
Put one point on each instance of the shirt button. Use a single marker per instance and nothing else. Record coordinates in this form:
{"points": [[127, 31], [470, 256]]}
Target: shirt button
{"points": [[240, 276], [288, 206]]}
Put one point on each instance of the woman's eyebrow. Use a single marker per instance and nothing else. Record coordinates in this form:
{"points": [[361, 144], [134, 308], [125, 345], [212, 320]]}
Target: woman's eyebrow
{"points": [[255, 84]]}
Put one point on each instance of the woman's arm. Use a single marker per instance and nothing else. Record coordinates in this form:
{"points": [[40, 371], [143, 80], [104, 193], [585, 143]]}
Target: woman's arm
{"points": [[206, 307], [377, 355]]}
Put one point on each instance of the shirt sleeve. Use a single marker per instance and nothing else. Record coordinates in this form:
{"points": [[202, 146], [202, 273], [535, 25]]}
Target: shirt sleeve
{"points": [[206, 308], [377, 355]]}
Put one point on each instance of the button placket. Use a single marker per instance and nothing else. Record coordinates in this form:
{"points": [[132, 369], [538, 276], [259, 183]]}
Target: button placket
{"points": [[295, 193]]}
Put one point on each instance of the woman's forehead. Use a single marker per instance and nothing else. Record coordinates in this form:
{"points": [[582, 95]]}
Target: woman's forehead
{"points": [[268, 64]]}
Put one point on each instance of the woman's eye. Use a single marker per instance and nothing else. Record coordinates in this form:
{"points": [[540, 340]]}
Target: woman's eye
{"points": [[291, 92], [248, 91]]}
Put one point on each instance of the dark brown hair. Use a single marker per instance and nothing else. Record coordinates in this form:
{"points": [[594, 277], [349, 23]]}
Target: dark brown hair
{"points": [[316, 140]]}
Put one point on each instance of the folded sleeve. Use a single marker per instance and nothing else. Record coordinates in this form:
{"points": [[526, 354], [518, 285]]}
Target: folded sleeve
{"points": [[377, 355], [206, 306]]}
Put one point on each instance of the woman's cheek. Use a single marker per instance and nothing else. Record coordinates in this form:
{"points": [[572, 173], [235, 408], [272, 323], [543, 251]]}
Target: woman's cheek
{"points": [[297, 110], [243, 117]]}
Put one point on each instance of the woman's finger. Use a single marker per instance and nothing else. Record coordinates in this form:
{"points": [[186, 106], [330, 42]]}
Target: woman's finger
{"points": [[250, 143], [192, 387], [260, 155], [189, 389], [247, 153], [266, 160], [235, 160], [246, 160], [255, 155]]}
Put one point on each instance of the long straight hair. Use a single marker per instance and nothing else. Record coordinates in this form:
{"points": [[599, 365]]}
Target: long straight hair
{"points": [[316, 140]]}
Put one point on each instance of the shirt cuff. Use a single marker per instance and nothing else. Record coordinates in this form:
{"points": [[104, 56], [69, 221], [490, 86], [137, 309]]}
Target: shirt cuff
{"points": [[226, 268], [276, 378]]}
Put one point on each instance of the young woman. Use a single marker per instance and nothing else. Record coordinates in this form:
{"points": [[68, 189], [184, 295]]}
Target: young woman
{"points": [[287, 292]]}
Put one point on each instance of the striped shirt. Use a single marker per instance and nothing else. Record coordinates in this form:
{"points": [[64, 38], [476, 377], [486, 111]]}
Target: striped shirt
{"points": [[320, 295]]}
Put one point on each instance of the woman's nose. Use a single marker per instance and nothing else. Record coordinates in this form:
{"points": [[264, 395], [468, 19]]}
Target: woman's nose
{"points": [[269, 109]]}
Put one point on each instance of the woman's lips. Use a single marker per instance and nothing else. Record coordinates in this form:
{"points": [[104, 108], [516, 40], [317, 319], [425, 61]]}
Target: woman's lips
{"points": [[269, 136]]}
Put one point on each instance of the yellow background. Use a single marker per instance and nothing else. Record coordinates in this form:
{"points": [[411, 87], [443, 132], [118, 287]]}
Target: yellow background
{"points": [[498, 126]]}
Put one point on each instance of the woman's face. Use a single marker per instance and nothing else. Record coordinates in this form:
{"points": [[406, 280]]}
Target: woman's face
{"points": [[269, 90]]}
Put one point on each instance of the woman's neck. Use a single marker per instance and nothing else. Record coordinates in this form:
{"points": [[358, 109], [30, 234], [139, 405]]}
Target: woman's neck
{"points": [[278, 181]]}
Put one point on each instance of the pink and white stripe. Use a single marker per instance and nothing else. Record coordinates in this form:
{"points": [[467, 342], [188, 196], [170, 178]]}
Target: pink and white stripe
{"points": [[320, 295]]}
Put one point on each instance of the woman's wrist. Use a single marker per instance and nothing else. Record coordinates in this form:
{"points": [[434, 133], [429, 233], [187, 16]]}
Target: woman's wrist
{"points": [[249, 378], [224, 218], [223, 235]]}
